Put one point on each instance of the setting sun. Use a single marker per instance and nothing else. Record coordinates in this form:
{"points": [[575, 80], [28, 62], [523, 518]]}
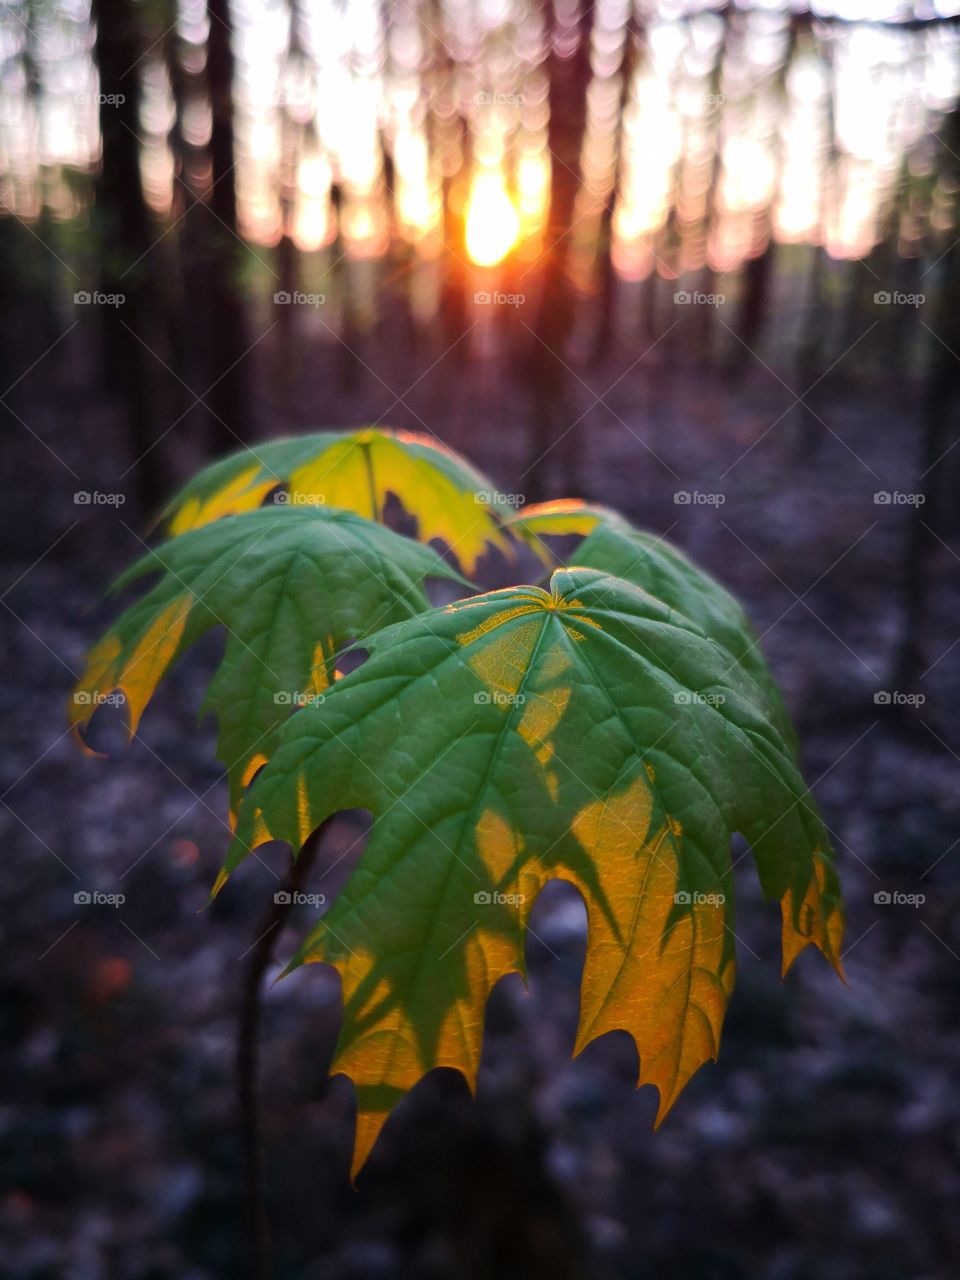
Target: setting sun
{"points": [[493, 223]]}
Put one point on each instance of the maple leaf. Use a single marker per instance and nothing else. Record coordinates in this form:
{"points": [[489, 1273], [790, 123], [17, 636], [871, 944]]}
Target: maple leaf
{"points": [[559, 517], [354, 470], [291, 585], [655, 565], [590, 733]]}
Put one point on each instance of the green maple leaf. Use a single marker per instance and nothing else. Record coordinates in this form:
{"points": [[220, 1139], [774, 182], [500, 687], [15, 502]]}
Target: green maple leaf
{"points": [[354, 470], [650, 562], [589, 733], [291, 586]]}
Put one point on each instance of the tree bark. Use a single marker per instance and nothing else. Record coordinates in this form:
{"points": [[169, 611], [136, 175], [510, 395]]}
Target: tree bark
{"points": [[229, 382], [129, 331]]}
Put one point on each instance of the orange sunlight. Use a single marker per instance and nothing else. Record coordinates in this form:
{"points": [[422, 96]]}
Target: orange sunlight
{"points": [[493, 223]]}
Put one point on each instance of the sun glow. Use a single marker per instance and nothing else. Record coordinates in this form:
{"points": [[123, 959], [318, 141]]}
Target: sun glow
{"points": [[493, 223]]}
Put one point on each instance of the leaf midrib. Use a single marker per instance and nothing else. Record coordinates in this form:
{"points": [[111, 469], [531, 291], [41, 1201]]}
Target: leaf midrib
{"points": [[412, 983]]}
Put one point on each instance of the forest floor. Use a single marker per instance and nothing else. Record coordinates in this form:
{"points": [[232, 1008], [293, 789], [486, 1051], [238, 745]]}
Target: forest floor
{"points": [[824, 1142]]}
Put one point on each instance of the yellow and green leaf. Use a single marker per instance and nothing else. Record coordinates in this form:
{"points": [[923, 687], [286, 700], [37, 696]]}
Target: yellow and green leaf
{"points": [[290, 585], [655, 565], [355, 471], [560, 518], [591, 733]]}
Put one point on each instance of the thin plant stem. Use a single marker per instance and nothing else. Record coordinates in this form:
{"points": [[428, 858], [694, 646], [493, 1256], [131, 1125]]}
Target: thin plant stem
{"points": [[248, 1052]]}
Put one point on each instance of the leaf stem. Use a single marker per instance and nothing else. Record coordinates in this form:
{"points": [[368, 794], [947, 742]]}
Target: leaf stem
{"points": [[248, 1045], [377, 514]]}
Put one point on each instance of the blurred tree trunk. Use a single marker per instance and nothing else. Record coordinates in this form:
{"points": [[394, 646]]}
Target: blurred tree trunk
{"points": [[606, 325], [940, 433], [28, 324], [286, 367], [760, 269], [180, 319], [754, 299], [605, 334], [707, 315], [229, 368], [287, 364], [546, 371], [817, 321], [126, 238], [348, 348], [13, 292]]}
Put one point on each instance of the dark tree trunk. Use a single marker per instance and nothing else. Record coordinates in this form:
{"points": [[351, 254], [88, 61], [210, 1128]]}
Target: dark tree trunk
{"points": [[130, 331], [286, 366], [816, 326], [546, 370], [760, 269], [940, 433], [183, 335], [606, 324], [230, 381], [757, 275]]}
